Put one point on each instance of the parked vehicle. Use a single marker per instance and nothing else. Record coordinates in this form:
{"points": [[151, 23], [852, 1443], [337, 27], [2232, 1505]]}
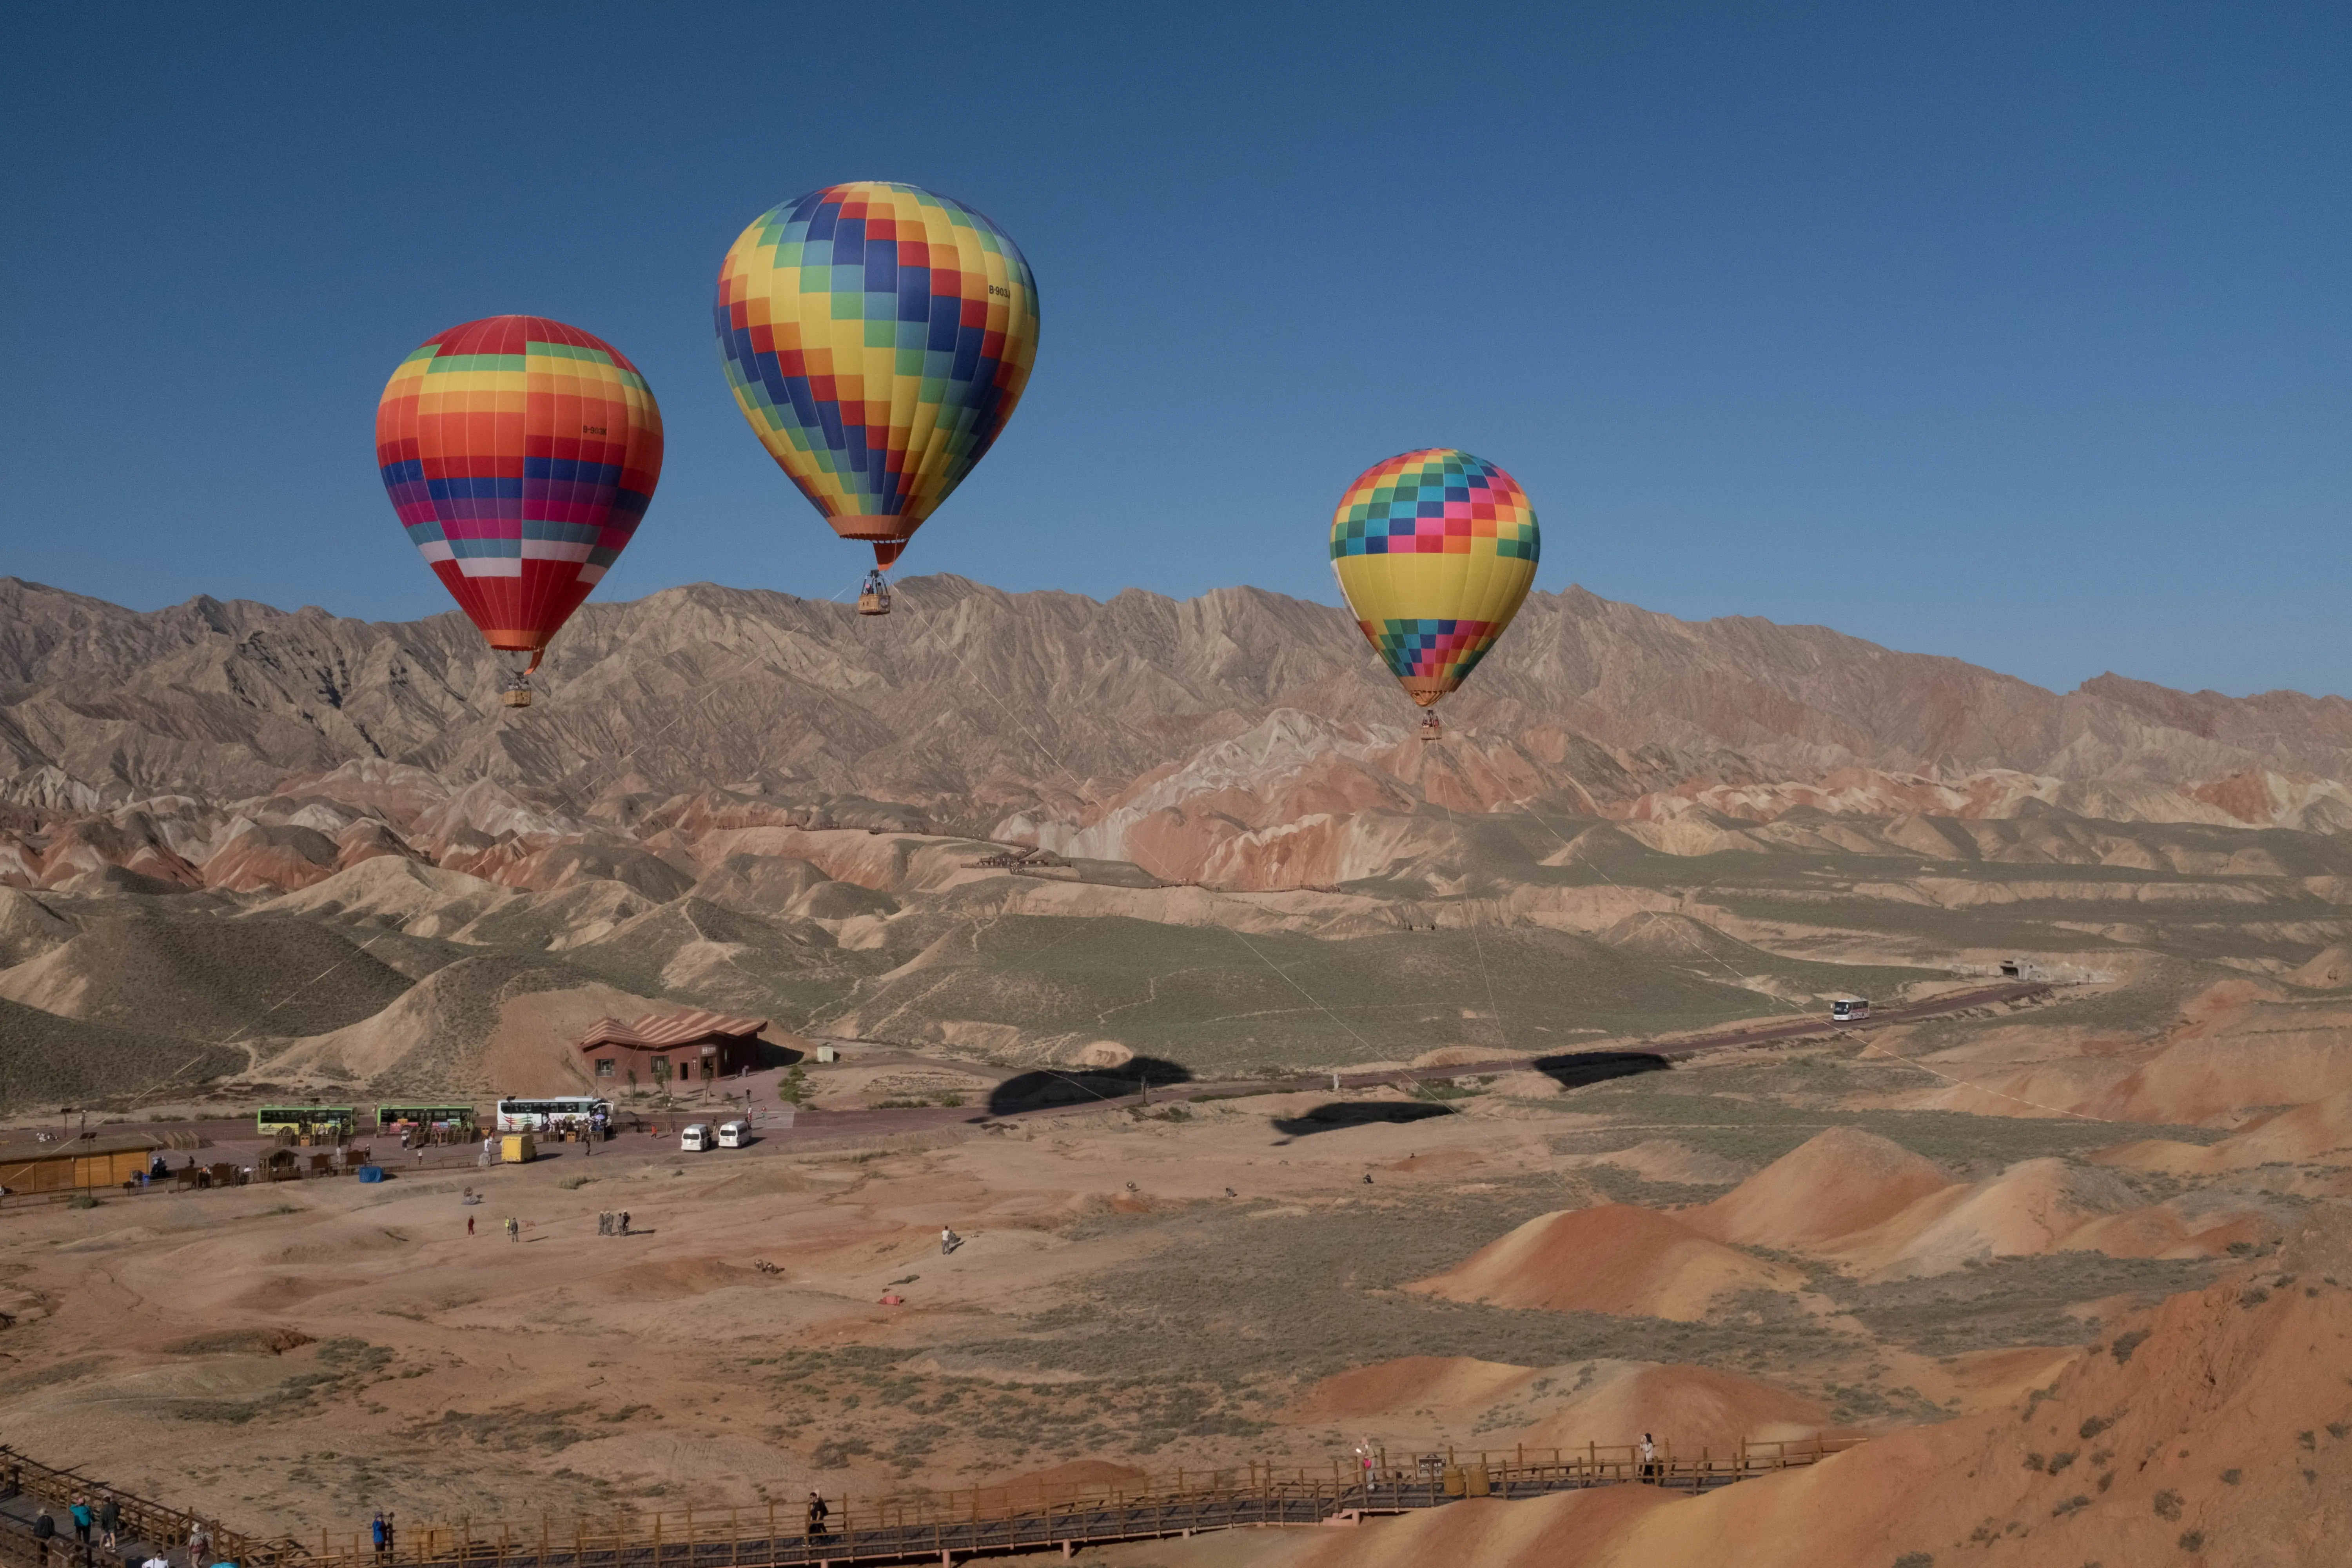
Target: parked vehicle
{"points": [[734, 1134], [694, 1139]]}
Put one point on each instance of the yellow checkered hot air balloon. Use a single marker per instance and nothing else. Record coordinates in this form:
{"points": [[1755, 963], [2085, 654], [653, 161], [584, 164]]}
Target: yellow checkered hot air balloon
{"points": [[877, 337], [1434, 552]]}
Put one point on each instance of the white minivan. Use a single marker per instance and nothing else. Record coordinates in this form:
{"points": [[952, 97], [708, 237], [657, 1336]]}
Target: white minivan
{"points": [[734, 1134], [694, 1139]]}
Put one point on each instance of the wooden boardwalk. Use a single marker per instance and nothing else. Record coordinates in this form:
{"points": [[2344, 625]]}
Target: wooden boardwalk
{"points": [[926, 1527]]}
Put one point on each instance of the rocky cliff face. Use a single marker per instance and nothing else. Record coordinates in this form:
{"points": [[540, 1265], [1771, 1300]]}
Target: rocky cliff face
{"points": [[1241, 737]]}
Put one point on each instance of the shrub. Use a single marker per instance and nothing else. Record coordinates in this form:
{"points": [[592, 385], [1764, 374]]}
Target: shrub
{"points": [[2167, 1505], [574, 1183], [2231, 1477], [2254, 1297], [2093, 1425], [2126, 1343], [834, 1453], [81, 1201], [2192, 1541], [1914, 1559]]}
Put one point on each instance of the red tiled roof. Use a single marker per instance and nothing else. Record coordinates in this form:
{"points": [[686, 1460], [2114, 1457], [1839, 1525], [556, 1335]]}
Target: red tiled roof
{"points": [[659, 1031]]}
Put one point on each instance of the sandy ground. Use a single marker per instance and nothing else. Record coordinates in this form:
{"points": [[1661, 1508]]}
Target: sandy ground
{"points": [[1766, 1244]]}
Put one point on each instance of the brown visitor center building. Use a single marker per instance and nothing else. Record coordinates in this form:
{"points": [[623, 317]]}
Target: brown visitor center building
{"points": [[671, 1048]]}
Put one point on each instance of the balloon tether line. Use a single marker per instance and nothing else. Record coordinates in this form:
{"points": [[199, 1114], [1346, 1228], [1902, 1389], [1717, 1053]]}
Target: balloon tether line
{"points": [[1084, 793], [1494, 1008], [1869, 1047], [568, 798]]}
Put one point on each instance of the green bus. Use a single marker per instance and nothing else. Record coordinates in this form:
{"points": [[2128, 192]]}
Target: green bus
{"points": [[451, 1118], [307, 1121]]}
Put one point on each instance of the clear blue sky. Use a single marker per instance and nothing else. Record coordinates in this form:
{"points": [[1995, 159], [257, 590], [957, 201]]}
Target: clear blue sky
{"points": [[2012, 331]]}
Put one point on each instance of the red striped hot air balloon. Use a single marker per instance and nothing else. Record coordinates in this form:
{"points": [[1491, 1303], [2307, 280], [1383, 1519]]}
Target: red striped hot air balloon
{"points": [[520, 454]]}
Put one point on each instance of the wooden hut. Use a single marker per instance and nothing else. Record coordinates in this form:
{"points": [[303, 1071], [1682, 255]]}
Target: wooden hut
{"points": [[75, 1164], [671, 1048]]}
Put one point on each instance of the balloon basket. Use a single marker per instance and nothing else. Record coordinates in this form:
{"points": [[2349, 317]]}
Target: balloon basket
{"points": [[1431, 728], [517, 694], [873, 604]]}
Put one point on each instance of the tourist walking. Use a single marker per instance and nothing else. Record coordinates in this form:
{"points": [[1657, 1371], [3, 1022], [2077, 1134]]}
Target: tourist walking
{"points": [[949, 1241], [514, 1229], [110, 1522], [469, 1224], [625, 1222], [200, 1543], [82, 1518], [817, 1514], [1649, 1470], [381, 1534]]}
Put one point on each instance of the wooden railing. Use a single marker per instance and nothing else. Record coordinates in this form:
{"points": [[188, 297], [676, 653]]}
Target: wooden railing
{"points": [[968, 1520], [1000, 1519], [140, 1518]]}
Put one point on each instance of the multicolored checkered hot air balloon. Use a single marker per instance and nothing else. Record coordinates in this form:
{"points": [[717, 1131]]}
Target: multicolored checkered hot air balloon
{"points": [[877, 337], [520, 454], [1434, 552]]}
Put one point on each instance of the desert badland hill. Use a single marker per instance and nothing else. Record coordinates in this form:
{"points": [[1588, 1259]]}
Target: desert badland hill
{"points": [[2060, 1259], [762, 803]]}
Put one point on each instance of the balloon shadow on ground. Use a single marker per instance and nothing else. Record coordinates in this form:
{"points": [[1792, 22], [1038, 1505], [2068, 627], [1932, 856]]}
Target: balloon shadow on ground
{"points": [[1340, 1115], [1050, 1087], [1574, 1069]]}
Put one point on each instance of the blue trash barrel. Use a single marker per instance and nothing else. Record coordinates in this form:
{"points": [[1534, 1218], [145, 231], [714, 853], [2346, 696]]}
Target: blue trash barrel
{"points": [[371, 1173]]}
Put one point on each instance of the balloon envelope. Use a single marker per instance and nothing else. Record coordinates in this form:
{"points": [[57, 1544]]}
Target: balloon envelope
{"points": [[1434, 552], [877, 337], [520, 454]]}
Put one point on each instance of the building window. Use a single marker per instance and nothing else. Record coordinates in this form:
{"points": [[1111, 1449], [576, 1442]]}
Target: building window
{"points": [[604, 1066]]}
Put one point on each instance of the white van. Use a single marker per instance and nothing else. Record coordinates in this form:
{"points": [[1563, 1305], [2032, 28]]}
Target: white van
{"points": [[734, 1134], [694, 1139]]}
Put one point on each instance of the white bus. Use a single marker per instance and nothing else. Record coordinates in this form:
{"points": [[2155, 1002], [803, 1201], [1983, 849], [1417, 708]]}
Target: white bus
{"points": [[1849, 1012], [553, 1115]]}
